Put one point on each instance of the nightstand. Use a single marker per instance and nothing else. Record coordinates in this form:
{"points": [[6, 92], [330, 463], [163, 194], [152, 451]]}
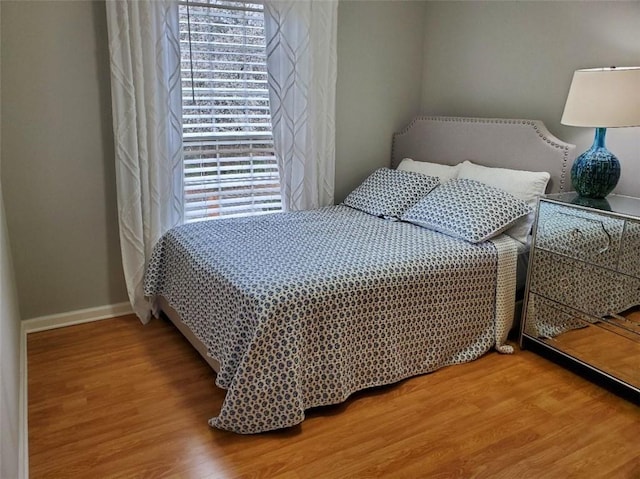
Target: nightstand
{"points": [[582, 302]]}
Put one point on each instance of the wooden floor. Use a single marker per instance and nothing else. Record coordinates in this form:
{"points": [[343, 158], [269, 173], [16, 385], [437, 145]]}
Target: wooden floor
{"points": [[117, 399]]}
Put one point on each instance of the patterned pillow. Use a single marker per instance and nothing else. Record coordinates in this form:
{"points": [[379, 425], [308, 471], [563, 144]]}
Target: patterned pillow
{"points": [[388, 193], [467, 209], [526, 185]]}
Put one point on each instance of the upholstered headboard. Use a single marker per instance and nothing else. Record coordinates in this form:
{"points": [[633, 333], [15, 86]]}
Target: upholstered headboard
{"points": [[516, 144]]}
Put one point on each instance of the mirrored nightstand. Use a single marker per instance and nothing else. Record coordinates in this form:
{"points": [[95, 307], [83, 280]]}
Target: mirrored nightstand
{"points": [[582, 302]]}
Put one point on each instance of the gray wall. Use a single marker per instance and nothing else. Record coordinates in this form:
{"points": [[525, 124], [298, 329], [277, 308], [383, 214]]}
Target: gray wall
{"points": [[9, 350], [57, 154], [516, 60], [379, 82]]}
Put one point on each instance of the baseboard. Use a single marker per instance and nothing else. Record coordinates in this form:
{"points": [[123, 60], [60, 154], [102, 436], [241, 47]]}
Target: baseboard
{"points": [[80, 316], [23, 426], [23, 431]]}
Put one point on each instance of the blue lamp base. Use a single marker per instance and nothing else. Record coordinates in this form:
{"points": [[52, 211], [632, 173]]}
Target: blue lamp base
{"points": [[596, 172]]}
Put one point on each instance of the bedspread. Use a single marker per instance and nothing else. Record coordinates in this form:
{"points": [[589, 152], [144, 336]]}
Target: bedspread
{"points": [[302, 309]]}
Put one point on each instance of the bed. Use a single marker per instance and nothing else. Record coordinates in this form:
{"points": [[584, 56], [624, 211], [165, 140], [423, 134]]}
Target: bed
{"points": [[301, 309]]}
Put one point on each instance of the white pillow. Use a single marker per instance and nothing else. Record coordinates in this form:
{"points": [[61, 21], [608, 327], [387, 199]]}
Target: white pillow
{"points": [[526, 185], [444, 172]]}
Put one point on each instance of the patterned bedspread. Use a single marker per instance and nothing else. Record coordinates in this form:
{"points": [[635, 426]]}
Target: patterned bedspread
{"points": [[302, 309]]}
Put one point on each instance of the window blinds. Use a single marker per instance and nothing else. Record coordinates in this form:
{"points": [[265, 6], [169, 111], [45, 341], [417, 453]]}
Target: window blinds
{"points": [[229, 163]]}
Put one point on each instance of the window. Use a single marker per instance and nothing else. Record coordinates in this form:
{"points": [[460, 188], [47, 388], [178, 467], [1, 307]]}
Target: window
{"points": [[229, 163]]}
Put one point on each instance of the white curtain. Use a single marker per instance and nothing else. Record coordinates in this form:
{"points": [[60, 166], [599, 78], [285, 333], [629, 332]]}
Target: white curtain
{"points": [[147, 123], [302, 70]]}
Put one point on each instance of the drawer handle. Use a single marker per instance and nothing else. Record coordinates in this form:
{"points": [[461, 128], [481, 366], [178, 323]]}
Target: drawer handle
{"points": [[577, 234], [606, 247]]}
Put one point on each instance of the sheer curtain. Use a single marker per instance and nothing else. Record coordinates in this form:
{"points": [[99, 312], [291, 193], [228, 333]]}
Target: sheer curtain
{"points": [[147, 123], [302, 71]]}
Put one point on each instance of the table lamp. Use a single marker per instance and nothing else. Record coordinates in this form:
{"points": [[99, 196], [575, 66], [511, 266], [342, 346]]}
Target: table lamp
{"points": [[601, 98]]}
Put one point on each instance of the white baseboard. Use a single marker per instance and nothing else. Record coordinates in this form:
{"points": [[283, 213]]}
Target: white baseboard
{"points": [[23, 426], [80, 316], [43, 323]]}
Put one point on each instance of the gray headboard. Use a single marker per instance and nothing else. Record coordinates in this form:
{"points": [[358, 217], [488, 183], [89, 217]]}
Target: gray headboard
{"points": [[515, 144]]}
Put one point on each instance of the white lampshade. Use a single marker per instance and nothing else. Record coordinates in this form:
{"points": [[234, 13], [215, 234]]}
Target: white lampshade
{"points": [[604, 98]]}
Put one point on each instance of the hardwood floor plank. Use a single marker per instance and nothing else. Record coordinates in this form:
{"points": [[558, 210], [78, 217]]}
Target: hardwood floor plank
{"points": [[116, 399]]}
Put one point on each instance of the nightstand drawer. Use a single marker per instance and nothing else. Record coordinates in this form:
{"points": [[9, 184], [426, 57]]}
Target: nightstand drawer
{"points": [[579, 234], [587, 341], [582, 286], [547, 319]]}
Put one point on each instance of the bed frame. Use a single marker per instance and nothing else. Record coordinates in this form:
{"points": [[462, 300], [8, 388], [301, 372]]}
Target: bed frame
{"points": [[170, 313], [515, 144]]}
